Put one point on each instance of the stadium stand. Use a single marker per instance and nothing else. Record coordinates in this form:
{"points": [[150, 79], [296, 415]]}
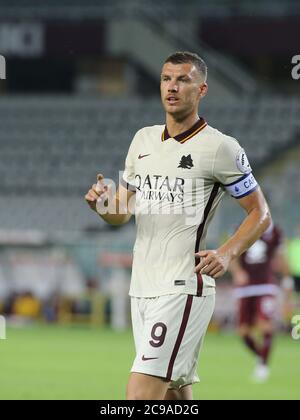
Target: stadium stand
{"points": [[75, 8], [54, 147]]}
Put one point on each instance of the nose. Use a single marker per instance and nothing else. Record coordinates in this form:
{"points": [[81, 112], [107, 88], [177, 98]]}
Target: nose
{"points": [[173, 87]]}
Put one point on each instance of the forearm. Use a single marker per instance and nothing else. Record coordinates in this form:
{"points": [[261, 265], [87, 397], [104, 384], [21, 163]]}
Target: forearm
{"points": [[113, 208], [249, 232]]}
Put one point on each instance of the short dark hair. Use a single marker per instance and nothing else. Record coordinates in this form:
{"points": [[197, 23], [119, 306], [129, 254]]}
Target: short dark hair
{"points": [[180, 57]]}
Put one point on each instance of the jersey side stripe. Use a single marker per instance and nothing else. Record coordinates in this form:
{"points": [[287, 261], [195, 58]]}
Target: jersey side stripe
{"points": [[200, 232], [185, 318]]}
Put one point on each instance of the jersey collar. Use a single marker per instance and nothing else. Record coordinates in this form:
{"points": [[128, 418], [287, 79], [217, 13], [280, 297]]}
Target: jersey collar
{"points": [[188, 134]]}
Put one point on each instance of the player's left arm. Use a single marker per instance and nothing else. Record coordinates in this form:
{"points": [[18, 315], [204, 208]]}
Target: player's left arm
{"points": [[216, 262]]}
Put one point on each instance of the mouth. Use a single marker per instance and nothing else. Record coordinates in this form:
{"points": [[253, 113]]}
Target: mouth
{"points": [[172, 100]]}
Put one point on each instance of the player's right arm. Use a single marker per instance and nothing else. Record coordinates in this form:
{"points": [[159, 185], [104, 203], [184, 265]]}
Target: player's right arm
{"points": [[120, 202], [116, 209]]}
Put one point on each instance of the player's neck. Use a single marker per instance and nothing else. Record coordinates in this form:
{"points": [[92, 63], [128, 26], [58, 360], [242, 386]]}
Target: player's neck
{"points": [[176, 127]]}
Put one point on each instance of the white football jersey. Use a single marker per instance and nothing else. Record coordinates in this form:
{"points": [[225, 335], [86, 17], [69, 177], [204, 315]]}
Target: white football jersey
{"points": [[179, 183]]}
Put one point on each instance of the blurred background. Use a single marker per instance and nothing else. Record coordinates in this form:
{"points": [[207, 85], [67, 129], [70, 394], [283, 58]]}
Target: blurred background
{"points": [[81, 78]]}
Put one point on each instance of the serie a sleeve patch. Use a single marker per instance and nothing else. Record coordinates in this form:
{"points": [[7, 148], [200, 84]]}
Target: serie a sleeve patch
{"points": [[243, 186]]}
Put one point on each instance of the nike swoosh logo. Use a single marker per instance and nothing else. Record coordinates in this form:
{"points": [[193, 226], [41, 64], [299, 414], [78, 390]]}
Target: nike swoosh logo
{"points": [[148, 358], [142, 156]]}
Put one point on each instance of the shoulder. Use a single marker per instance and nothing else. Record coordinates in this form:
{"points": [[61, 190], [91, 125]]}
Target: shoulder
{"points": [[219, 137], [145, 137], [226, 149], [147, 134], [152, 130], [221, 140]]}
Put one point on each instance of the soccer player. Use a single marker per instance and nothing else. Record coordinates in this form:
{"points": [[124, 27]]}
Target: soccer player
{"points": [[177, 174], [254, 275]]}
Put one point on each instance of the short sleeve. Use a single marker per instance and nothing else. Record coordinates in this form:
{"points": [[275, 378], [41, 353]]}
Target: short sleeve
{"points": [[232, 169], [128, 178]]}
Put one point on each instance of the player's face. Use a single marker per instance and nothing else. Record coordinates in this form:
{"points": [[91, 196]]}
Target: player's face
{"points": [[181, 88]]}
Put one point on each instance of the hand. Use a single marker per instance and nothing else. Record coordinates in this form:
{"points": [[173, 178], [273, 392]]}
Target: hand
{"points": [[97, 193], [212, 263]]}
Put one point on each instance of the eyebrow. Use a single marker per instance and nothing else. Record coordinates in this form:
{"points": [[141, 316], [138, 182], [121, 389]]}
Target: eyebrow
{"points": [[178, 77]]}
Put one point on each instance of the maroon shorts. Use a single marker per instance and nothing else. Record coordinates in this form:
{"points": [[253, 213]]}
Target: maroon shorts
{"points": [[254, 308]]}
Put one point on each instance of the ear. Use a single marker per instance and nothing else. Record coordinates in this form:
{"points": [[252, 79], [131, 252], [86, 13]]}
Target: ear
{"points": [[203, 90]]}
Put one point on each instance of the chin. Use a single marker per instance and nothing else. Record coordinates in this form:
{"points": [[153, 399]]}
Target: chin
{"points": [[173, 110], [176, 113]]}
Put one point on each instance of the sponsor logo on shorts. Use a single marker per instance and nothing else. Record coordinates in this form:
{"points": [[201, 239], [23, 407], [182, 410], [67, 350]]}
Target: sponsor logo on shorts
{"points": [[179, 283]]}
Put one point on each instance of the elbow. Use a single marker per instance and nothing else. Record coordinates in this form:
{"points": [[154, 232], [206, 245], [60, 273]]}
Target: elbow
{"points": [[265, 219]]}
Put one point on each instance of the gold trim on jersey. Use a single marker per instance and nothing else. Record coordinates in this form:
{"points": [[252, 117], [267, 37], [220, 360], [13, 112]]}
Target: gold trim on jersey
{"points": [[188, 134], [194, 133]]}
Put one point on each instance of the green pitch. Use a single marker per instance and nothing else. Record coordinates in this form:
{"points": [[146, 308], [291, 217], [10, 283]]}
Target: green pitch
{"points": [[50, 362]]}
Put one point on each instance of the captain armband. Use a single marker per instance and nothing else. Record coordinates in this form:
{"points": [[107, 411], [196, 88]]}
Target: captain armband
{"points": [[242, 187]]}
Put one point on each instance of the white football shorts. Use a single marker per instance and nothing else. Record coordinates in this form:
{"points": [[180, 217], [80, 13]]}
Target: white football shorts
{"points": [[168, 333]]}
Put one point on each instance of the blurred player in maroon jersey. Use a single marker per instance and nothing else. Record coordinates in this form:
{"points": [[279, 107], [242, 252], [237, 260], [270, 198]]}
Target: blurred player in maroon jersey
{"points": [[254, 275]]}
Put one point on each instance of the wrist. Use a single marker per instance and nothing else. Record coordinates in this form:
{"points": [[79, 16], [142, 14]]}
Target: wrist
{"points": [[227, 253]]}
